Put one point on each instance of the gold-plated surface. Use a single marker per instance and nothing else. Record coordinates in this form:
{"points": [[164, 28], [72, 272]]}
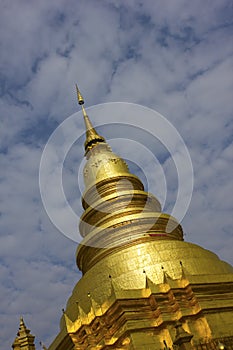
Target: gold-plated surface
{"points": [[118, 211], [79, 96], [92, 137], [182, 338], [24, 339], [139, 276]]}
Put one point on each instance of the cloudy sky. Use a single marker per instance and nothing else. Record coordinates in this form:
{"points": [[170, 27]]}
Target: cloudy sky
{"points": [[172, 56]]}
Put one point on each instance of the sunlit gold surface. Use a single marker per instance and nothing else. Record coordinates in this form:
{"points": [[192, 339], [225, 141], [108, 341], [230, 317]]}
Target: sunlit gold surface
{"points": [[92, 137], [148, 286], [139, 276], [24, 339], [79, 96]]}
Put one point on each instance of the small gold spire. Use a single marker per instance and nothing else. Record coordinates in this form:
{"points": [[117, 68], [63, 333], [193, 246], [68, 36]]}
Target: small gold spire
{"points": [[79, 96], [22, 324], [80, 100], [92, 137], [24, 338]]}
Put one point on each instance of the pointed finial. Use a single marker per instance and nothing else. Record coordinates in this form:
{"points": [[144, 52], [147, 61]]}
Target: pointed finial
{"points": [[81, 101], [79, 96], [24, 336], [92, 137], [21, 323]]}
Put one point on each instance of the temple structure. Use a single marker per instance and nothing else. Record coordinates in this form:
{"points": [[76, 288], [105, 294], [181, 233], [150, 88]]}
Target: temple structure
{"points": [[143, 287], [24, 339]]}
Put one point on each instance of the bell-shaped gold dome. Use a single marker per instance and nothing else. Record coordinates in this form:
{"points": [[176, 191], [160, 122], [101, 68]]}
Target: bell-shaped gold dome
{"points": [[118, 210], [103, 164]]}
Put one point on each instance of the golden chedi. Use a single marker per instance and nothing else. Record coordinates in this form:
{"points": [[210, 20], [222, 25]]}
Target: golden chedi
{"points": [[142, 287]]}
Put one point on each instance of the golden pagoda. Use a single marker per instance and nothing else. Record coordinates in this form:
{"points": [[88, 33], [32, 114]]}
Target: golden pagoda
{"points": [[142, 287], [24, 339]]}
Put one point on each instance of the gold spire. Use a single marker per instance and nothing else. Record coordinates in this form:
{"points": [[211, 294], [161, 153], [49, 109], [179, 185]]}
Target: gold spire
{"points": [[79, 96], [24, 339], [22, 326], [92, 137], [115, 203]]}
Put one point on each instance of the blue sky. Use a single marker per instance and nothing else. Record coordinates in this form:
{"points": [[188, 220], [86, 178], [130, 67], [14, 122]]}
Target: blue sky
{"points": [[171, 56]]}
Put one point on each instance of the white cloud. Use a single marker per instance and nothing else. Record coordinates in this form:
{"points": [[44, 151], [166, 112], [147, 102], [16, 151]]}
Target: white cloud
{"points": [[171, 56]]}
